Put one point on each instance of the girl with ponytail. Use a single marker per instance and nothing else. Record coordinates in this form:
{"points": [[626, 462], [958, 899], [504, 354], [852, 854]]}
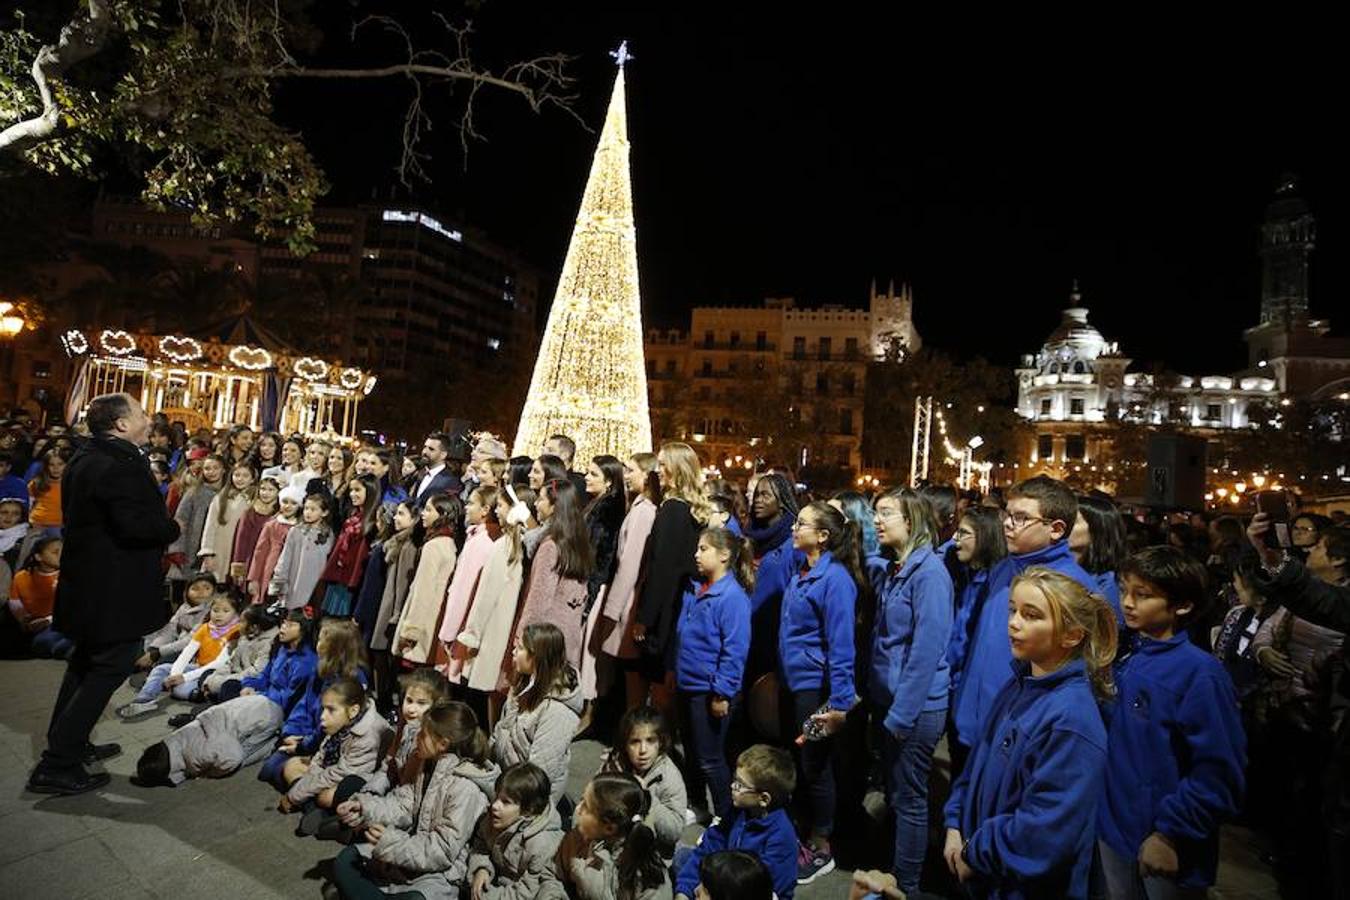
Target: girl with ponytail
{"points": [[816, 656], [713, 638], [612, 852], [1022, 815], [418, 834]]}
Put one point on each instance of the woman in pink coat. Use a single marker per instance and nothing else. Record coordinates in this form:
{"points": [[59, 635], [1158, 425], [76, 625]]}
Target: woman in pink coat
{"points": [[480, 515], [561, 566], [614, 630]]}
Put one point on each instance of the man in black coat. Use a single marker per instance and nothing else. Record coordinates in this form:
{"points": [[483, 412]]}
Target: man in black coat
{"points": [[110, 594]]}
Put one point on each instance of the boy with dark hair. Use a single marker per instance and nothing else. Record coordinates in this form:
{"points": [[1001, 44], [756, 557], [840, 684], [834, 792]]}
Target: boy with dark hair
{"points": [[765, 779], [1040, 514], [1175, 745]]}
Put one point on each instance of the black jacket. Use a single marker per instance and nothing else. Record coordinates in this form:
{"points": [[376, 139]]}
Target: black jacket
{"points": [[116, 527], [669, 564], [603, 521], [445, 482]]}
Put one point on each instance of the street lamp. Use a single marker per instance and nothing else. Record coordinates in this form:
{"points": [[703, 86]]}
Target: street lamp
{"points": [[11, 323]]}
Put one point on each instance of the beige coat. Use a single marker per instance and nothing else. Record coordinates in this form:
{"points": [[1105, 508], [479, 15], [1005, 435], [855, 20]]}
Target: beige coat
{"points": [[218, 539], [360, 754], [428, 825], [426, 599], [487, 631]]}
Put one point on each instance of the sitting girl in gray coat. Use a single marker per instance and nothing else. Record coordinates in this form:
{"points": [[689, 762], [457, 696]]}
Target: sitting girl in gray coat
{"points": [[611, 853], [354, 737], [418, 834], [422, 689], [512, 854], [249, 655], [543, 708], [642, 749]]}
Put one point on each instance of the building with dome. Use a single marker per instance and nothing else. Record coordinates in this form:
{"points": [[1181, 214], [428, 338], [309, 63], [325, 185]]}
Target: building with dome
{"points": [[1078, 387], [1078, 392]]}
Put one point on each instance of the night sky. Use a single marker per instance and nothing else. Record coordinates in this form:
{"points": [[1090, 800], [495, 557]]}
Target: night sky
{"points": [[801, 156]]}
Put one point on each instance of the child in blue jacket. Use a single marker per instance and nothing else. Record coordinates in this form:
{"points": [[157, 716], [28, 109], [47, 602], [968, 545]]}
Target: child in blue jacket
{"points": [[1176, 745], [759, 823], [1019, 820], [908, 687], [816, 655], [714, 636], [290, 667], [1041, 513]]}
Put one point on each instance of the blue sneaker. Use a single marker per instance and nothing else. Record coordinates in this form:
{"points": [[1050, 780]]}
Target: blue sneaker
{"points": [[813, 863]]}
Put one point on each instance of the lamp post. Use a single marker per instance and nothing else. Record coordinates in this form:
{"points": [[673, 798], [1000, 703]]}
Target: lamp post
{"points": [[11, 323]]}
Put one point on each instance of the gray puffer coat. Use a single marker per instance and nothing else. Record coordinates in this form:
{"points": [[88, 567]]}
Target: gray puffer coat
{"points": [[542, 736], [521, 860]]}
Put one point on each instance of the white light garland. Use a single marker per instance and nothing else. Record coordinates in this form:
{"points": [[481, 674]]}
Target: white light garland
{"points": [[351, 379], [117, 342], [180, 349], [254, 359], [75, 342], [311, 369]]}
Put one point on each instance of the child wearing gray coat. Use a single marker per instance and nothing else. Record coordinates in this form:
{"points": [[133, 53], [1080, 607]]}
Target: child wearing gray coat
{"points": [[248, 656], [168, 641], [512, 856], [418, 835]]}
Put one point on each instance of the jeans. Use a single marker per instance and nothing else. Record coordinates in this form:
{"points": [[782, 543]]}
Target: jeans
{"points": [[93, 673], [154, 684], [1123, 881], [705, 738], [815, 759], [907, 764], [354, 884], [52, 644], [272, 768]]}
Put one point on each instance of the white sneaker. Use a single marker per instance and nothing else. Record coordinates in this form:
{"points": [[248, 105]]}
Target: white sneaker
{"points": [[135, 710], [690, 817]]}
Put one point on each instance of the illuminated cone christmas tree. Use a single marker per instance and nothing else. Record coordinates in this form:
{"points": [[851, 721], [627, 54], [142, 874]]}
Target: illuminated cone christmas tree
{"points": [[589, 381]]}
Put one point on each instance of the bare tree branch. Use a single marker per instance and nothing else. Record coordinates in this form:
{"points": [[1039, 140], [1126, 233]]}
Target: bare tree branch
{"points": [[80, 39]]}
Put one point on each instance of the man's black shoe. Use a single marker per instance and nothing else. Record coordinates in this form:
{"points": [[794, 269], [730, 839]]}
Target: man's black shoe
{"points": [[74, 781], [98, 752]]}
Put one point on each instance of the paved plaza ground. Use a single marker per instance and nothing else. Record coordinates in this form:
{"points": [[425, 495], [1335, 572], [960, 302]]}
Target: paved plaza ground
{"points": [[225, 839]]}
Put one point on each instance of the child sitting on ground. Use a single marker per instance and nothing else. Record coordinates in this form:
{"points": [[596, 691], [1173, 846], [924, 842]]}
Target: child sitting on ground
{"points": [[513, 850], [32, 596], [765, 780], [173, 636], [418, 835], [642, 749], [422, 689], [354, 737], [249, 654], [206, 652], [733, 875], [611, 853]]}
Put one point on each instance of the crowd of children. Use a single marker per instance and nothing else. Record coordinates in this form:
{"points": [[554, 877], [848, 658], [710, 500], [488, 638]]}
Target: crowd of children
{"points": [[410, 655]]}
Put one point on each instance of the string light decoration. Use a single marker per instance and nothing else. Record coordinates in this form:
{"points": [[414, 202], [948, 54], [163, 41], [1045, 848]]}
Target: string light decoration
{"points": [[253, 359], [116, 342], [590, 381], [180, 349]]}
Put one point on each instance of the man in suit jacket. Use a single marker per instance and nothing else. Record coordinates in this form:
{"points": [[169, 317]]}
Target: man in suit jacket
{"points": [[111, 590], [436, 475]]}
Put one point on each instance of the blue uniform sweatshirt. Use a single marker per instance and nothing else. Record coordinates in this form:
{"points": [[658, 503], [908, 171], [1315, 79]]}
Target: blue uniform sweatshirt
{"points": [[1026, 801], [304, 720], [714, 637], [989, 653], [772, 573], [909, 643], [973, 593], [1108, 585], [769, 837], [815, 633], [286, 677], [1177, 752]]}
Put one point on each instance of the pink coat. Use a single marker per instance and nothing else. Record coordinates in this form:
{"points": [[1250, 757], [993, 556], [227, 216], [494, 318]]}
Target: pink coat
{"points": [[265, 555], [472, 558], [622, 594], [554, 598]]}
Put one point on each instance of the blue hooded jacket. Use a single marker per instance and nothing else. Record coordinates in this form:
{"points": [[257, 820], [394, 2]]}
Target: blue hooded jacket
{"points": [[1177, 752], [909, 642], [815, 635], [304, 719], [770, 837], [286, 677], [1108, 585], [989, 652], [1027, 799], [714, 637], [773, 572]]}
